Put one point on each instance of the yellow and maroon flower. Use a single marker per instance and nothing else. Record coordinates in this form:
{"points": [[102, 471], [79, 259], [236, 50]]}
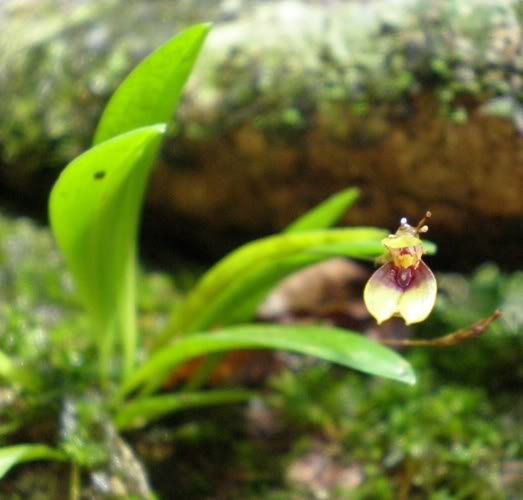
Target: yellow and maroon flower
{"points": [[404, 286]]}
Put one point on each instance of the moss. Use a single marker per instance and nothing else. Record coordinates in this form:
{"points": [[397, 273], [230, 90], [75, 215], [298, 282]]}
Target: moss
{"points": [[38, 482], [43, 326], [433, 440], [361, 54], [35, 299], [257, 67], [60, 66], [38, 302], [493, 361], [454, 435]]}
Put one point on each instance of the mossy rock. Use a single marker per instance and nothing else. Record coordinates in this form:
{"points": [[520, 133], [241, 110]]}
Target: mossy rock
{"points": [[454, 435], [420, 105]]}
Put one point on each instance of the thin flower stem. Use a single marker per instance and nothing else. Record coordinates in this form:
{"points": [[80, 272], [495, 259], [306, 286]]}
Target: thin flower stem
{"points": [[451, 339]]}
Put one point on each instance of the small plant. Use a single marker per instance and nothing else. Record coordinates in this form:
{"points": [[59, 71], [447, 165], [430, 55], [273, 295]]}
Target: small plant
{"points": [[94, 212]]}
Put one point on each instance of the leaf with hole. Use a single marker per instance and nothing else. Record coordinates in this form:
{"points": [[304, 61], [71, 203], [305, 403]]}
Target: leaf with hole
{"points": [[95, 218]]}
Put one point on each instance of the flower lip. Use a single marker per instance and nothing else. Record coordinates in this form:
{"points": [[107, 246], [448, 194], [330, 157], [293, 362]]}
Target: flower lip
{"points": [[404, 276], [404, 286], [393, 291]]}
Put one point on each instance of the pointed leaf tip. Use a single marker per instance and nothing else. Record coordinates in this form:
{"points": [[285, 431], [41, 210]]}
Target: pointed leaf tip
{"points": [[344, 347], [151, 92], [161, 128]]}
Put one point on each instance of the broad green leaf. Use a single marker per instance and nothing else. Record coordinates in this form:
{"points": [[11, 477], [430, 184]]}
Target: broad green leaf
{"points": [[94, 210], [142, 411], [369, 250], [331, 344], [240, 262], [327, 213], [239, 302], [151, 92], [21, 453]]}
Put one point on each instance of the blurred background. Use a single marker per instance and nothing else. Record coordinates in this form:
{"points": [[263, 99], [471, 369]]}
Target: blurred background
{"points": [[416, 102]]}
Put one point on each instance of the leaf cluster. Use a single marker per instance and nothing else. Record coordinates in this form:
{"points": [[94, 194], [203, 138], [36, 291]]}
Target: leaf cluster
{"points": [[94, 211]]}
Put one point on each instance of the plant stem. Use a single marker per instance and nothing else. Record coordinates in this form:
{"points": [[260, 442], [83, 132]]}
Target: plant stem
{"points": [[105, 353], [127, 329], [74, 490]]}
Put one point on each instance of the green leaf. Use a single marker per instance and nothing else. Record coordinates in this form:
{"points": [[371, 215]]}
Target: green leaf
{"points": [[7, 366], [142, 411], [16, 374], [327, 213], [94, 210], [239, 302], [366, 250], [429, 247], [331, 344], [151, 92], [18, 454], [95, 204], [369, 250], [239, 263]]}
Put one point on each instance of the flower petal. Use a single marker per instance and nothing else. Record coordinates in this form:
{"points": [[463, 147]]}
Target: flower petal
{"points": [[382, 294], [417, 301]]}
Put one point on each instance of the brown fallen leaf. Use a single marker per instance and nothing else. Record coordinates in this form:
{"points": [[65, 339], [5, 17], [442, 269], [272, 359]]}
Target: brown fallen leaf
{"points": [[309, 291]]}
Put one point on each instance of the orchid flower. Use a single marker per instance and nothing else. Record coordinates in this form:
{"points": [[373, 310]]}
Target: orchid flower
{"points": [[403, 286]]}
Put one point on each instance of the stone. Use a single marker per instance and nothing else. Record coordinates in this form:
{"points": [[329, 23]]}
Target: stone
{"points": [[418, 105]]}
